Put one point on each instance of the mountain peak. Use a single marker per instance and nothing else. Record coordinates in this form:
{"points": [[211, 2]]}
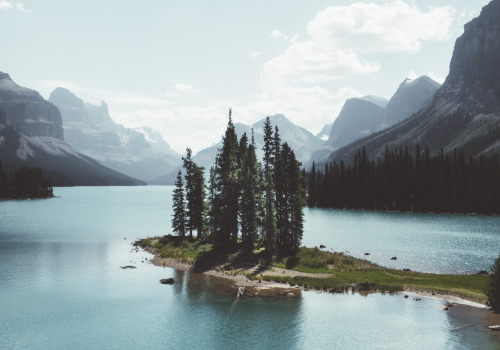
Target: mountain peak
{"points": [[424, 79], [7, 85], [63, 97]]}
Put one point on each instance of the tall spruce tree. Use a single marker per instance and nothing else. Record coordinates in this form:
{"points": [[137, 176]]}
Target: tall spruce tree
{"points": [[199, 195], [212, 210], [227, 190], [269, 228], [297, 201], [195, 194], [179, 207], [250, 194]]}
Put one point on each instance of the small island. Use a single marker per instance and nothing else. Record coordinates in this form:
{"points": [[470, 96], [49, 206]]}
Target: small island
{"points": [[249, 228], [309, 269]]}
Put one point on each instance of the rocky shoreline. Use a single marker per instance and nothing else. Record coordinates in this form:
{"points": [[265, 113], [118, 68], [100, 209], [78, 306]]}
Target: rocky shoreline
{"points": [[243, 286]]}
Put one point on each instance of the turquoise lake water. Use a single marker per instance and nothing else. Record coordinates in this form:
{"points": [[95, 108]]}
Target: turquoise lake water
{"points": [[61, 285]]}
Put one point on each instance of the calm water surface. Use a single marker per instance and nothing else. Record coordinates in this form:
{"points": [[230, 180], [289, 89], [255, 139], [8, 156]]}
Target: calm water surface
{"points": [[61, 286]]}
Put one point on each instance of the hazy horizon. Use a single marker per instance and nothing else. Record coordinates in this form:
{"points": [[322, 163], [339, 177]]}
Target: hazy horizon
{"points": [[178, 67]]}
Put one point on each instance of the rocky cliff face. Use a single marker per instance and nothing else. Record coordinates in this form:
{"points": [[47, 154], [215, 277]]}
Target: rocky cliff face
{"points": [[465, 111], [474, 78], [28, 112], [90, 130], [410, 97], [357, 119]]}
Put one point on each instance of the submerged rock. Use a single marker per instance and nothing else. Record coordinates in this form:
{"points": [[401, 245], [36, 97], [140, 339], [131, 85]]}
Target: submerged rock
{"points": [[167, 281]]}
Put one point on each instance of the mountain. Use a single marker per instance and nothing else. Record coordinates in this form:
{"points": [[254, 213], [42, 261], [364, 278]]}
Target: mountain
{"points": [[141, 153], [325, 132], [357, 118], [299, 139], [31, 134], [465, 111], [410, 97], [28, 112]]}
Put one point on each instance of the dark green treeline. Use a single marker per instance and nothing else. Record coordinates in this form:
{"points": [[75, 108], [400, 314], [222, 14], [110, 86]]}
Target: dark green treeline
{"points": [[246, 204], [24, 183], [416, 182]]}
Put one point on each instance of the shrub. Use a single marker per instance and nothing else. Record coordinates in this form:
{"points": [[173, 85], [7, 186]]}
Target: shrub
{"points": [[492, 290]]}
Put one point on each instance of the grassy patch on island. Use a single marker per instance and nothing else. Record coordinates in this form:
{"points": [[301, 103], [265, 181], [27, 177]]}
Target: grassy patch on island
{"points": [[344, 271]]}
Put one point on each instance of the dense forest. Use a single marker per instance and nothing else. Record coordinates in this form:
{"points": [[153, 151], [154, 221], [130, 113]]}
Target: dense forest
{"points": [[246, 203], [402, 181], [24, 183]]}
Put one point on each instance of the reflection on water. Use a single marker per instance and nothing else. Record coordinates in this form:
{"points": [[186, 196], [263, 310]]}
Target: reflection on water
{"points": [[439, 243], [61, 287]]}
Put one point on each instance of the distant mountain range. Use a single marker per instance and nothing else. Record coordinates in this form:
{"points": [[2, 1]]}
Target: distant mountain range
{"points": [[364, 116], [141, 153], [302, 142], [31, 134], [464, 113]]}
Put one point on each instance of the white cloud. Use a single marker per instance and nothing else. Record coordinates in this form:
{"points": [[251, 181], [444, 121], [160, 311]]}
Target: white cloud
{"points": [[6, 5], [254, 54], [341, 39], [277, 34], [185, 88], [389, 27], [21, 8]]}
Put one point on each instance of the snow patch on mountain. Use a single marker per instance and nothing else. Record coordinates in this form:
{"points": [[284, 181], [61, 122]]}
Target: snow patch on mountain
{"points": [[24, 149]]}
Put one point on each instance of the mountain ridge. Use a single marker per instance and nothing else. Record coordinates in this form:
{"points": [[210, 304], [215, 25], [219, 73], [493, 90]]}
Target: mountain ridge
{"points": [[465, 111], [141, 153]]}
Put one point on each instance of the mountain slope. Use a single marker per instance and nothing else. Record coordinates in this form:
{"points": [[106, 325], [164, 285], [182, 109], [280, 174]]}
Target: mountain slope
{"points": [[31, 134], [410, 97], [89, 129], [465, 111]]}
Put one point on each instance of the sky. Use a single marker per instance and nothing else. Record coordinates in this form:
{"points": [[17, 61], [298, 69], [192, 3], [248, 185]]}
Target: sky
{"points": [[178, 66]]}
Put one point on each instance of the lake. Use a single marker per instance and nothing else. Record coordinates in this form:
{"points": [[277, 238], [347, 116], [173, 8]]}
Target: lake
{"points": [[61, 285]]}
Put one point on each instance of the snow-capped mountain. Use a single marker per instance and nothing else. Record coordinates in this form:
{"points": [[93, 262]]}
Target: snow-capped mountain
{"points": [[140, 153]]}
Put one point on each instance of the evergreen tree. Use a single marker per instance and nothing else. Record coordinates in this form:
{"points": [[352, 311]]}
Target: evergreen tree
{"points": [[311, 187], [198, 197], [227, 190], [493, 287], [297, 202], [179, 207], [212, 209], [195, 194], [250, 195], [269, 228]]}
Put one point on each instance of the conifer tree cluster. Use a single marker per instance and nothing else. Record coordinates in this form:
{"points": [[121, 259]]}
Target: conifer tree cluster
{"points": [[247, 203], [415, 182], [24, 183]]}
